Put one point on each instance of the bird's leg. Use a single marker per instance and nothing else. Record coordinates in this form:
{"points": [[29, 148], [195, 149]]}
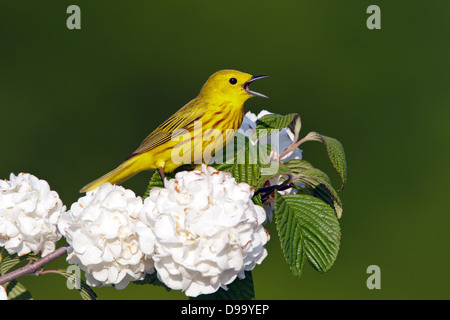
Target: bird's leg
{"points": [[161, 172], [267, 191]]}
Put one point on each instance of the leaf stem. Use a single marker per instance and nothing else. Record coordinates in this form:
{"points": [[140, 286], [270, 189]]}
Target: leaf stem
{"points": [[31, 268], [291, 148], [312, 136]]}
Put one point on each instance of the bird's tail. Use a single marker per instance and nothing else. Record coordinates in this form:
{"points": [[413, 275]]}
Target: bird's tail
{"points": [[123, 172]]}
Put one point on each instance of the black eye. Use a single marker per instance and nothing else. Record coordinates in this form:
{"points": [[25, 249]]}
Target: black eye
{"points": [[233, 80]]}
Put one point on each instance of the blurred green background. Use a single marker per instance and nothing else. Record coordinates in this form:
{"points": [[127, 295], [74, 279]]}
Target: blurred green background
{"points": [[74, 103]]}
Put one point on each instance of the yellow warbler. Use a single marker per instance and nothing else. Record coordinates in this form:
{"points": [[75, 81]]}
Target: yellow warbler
{"points": [[208, 121]]}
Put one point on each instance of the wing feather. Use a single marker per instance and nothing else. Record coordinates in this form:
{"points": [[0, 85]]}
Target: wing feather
{"points": [[182, 119]]}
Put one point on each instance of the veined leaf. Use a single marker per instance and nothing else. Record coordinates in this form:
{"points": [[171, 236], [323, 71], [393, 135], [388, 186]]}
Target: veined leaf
{"points": [[267, 124], [16, 291], [308, 230], [8, 261], [317, 183], [85, 291], [291, 238], [247, 173], [247, 162], [155, 181], [239, 289], [271, 170], [320, 186], [335, 152], [257, 200], [328, 195], [298, 165]]}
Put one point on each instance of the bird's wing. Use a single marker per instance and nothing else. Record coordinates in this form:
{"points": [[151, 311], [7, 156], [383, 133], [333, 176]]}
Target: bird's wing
{"points": [[182, 119]]}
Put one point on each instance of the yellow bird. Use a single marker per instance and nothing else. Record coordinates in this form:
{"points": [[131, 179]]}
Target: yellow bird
{"points": [[201, 125]]}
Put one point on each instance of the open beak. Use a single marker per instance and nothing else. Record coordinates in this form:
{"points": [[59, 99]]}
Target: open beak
{"points": [[247, 83]]}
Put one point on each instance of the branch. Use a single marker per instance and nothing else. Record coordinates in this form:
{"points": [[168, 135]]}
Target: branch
{"points": [[33, 267]]}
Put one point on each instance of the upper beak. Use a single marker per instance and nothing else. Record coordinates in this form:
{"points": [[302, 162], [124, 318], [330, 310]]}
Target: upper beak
{"points": [[246, 84]]}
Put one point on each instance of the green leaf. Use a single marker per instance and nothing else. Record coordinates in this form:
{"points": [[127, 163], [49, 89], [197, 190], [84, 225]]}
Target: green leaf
{"points": [[257, 200], [288, 228], [317, 183], [85, 291], [239, 289], [16, 291], [335, 152], [248, 173], [308, 230], [328, 195], [320, 186], [296, 165], [155, 181], [227, 156], [246, 164], [8, 261], [271, 170], [267, 124]]}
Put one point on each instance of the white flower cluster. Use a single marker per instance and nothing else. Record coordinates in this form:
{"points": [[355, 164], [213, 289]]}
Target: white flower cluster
{"points": [[202, 231], [100, 231], [29, 212]]}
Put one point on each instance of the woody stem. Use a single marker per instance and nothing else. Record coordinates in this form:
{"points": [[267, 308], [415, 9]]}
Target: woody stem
{"points": [[34, 266]]}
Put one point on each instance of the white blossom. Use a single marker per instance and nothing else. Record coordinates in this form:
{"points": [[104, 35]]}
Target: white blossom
{"points": [[3, 294], [99, 229], [280, 141], [29, 212], [202, 230]]}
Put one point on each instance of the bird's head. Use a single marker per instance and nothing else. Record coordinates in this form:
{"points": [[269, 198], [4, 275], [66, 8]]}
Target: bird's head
{"points": [[230, 85]]}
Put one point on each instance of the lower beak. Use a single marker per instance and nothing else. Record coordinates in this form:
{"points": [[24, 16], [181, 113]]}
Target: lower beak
{"points": [[246, 84]]}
